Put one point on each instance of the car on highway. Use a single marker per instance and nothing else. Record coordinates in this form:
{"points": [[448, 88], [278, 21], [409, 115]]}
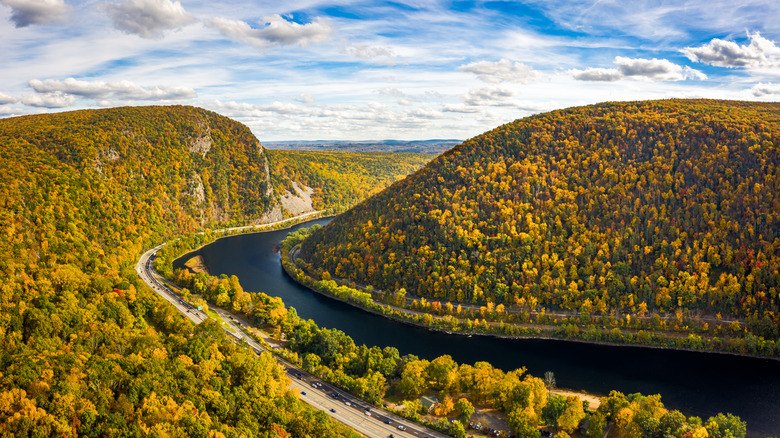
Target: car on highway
{"points": [[303, 392], [332, 410]]}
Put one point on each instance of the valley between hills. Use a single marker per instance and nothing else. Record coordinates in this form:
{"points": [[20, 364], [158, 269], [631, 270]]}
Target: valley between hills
{"points": [[652, 223]]}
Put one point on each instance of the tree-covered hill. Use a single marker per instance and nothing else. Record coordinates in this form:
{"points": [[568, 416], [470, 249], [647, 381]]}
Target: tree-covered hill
{"points": [[86, 349], [623, 209], [339, 180]]}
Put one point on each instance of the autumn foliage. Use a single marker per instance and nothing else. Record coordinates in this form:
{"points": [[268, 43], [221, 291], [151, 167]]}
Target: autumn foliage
{"points": [[636, 208], [340, 179], [86, 348]]}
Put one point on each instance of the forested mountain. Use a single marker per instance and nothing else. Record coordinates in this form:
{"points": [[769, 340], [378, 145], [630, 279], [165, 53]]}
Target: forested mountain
{"points": [[86, 349], [338, 180], [633, 208]]}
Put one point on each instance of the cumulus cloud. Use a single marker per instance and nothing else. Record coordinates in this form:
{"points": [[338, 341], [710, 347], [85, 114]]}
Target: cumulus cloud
{"points": [[597, 74], [148, 18], [27, 12], [277, 31], [6, 112], [761, 52], [6, 99], [105, 91], [501, 71], [639, 68], [488, 97], [692, 73], [655, 69], [761, 90], [48, 100]]}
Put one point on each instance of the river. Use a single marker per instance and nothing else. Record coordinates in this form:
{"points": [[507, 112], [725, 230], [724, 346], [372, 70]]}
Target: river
{"points": [[700, 384]]}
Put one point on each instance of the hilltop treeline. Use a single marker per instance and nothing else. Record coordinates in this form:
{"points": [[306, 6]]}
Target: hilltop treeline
{"points": [[86, 349], [340, 179], [634, 208]]}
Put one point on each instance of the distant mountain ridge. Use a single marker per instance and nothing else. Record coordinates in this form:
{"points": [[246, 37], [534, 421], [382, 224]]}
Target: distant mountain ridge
{"points": [[629, 208], [413, 146]]}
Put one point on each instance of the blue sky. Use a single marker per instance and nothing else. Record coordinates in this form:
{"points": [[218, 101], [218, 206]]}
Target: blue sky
{"points": [[365, 70]]}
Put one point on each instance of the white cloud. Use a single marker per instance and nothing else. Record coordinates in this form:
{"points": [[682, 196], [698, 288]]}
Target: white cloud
{"points": [[380, 55], [148, 18], [655, 69], [460, 108], [402, 98], [488, 97], [392, 92], [307, 99], [239, 109], [597, 74], [103, 92], [48, 100], [761, 90], [27, 12], [6, 99], [761, 52], [692, 73], [358, 121], [661, 21], [640, 68], [425, 113], [344, 76], [365, 51], [8, 112], [501, 71], [277, 31]]}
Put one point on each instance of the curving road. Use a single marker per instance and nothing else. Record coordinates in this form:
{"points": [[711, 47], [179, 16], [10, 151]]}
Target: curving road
{"points": [[355, 413]]}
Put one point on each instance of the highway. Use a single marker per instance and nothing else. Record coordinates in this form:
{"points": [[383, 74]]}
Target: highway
{"points": [[355, 413]]}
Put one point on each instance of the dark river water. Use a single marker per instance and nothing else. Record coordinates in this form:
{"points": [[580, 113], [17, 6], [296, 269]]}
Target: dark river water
{"points": [[700, 384]]}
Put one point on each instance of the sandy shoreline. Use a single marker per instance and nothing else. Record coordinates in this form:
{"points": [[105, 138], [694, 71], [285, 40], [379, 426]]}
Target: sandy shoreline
{"points": [[197, 264], [593, 401]]}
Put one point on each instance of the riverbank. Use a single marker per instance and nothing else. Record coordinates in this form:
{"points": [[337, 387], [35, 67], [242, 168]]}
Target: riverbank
{"points": [[564, 328], [594, 401], [187, 247], [197, 265], [679, 376]]}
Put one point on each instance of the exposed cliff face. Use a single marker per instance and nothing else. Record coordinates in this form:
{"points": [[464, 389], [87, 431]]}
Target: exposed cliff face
{"points": [[201, 145], [298, 202]]}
